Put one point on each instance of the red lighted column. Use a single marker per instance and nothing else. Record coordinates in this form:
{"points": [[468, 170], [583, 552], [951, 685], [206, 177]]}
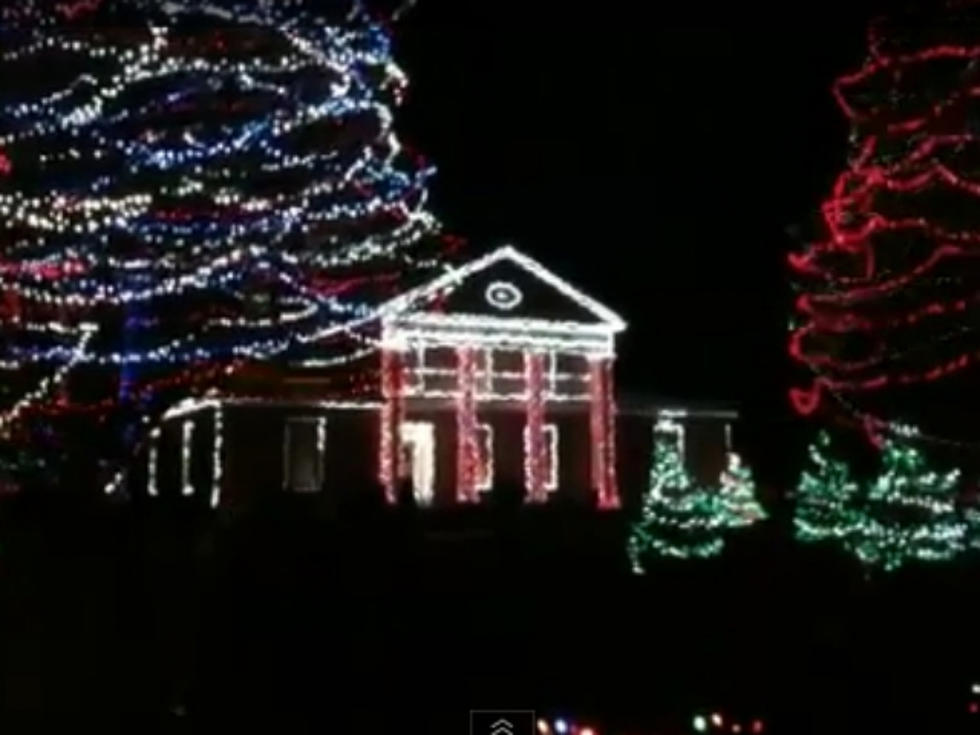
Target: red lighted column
{"points": [[602, 425], [466, 448], [534, 443], [392, 414]]}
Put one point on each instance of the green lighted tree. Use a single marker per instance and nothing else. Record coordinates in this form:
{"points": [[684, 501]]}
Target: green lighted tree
{"points": [[827, 497], [971, 518], [910, 513], [679, 520], [736, 496]]}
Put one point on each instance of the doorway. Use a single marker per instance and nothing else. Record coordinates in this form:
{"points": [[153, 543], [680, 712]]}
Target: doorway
{"points": [[418, 446]]}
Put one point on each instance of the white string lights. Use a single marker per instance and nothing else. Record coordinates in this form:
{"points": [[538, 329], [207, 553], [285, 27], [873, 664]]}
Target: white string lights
{"points": [[153, 464], [217, 456], [52, 382], [186, 455]]}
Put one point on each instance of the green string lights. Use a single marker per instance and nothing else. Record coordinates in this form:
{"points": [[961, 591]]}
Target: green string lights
{"points": [[826, 497], [681, 520], [910, 513], [736, 496], [907, 513]]}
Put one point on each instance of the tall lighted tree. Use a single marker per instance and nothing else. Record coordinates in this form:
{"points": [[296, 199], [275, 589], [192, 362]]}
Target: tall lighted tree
{"points": [[910, 512], [889, 303], [678, 519], [827, 497], [186, 185]]}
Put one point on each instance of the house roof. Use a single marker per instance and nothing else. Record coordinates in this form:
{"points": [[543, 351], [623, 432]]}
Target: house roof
{"points": [[644, 404], [455, 276]]}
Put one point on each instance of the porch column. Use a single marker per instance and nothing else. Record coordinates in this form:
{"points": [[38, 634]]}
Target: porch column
{"points": [[467, 453], [534, 443], [392, 414], [602, 427]]}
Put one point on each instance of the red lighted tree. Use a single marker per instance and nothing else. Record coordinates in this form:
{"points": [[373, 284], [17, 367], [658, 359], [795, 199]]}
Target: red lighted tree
{"points": [[888, 310]]}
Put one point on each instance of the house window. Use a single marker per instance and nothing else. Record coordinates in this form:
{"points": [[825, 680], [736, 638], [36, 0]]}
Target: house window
{"points": [[484, 372], [304, 446], [550, 432], [550, 373], [414, 369], [439, 366], [484, 449], [571, 376], [418, 461], [508, 374]]}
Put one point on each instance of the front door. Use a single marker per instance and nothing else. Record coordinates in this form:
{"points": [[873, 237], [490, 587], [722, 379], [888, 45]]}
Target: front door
{"points": [[418, 439]]}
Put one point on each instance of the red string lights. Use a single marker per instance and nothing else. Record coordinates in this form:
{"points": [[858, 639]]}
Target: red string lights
{"points": [[534, 439], [467, 453], [72, 10], [887, 295], [392, 413], [602, 426]]}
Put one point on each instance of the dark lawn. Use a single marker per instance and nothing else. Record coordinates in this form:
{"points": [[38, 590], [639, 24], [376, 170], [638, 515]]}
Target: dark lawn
{"points": [[143, 619]]}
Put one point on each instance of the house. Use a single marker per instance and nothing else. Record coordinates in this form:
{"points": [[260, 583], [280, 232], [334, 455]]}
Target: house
{"points": [[497, 373]]}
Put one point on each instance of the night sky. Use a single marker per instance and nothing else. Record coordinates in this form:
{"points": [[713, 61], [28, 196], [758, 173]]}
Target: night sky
{"points": [[664, 163]]}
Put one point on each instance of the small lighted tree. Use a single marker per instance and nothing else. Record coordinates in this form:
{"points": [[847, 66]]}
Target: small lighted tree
{"points": [[971, 518], [679, 520], [910, 513], [736, 496], [826, 497]]}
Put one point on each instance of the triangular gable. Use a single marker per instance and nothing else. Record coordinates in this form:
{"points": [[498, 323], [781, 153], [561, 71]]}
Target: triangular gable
{"points": [[505, 284]]}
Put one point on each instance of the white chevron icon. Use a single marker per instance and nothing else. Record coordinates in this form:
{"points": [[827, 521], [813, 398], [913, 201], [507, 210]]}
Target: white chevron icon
{"points": [[501, 721]]}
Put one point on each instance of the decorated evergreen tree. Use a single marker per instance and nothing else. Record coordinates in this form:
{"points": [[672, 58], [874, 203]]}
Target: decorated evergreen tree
{"points": [[186, 186], [971, 518], [679, 520], [826, 498], [910, 512], [890, 297], [736, 496]]}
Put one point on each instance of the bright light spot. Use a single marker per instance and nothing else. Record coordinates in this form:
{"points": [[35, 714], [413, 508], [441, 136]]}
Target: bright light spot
{"points": [[543, 727], [700, 724], [975, 688], [717, 720], [736, 728], [757, 726], [586, 731], [561, 726]]}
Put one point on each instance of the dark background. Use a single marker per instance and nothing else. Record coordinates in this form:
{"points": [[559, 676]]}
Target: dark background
{"points": [[665, 161], [659, 163]]}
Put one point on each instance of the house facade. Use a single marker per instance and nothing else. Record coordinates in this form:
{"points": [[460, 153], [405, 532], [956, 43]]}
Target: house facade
{"points": [[497, 374]]}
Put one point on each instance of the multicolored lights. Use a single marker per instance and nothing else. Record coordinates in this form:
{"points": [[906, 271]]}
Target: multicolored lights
{"points": [[718, 722], [220, 182], [714, 722], [563, 726], [192, 205]]}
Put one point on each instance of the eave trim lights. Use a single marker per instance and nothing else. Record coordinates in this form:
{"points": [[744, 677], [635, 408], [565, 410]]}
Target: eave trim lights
{"points": [[452, 278]]}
